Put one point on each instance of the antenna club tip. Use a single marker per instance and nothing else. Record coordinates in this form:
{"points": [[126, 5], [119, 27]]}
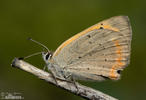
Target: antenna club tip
{"points": [[29, 38], [21, 58]]}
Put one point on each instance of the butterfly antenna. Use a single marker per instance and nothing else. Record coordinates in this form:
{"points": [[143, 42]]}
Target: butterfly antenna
{"points": [[34, 54], [38, 43]]}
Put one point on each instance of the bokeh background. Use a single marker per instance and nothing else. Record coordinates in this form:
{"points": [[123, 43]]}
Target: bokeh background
{"points": [[53, 21]]}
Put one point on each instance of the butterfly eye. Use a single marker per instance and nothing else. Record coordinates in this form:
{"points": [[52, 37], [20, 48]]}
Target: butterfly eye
{"points": [[48, 56]]}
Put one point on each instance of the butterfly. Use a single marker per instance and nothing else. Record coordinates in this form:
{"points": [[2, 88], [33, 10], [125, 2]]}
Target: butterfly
{"points": [[99, 52]]}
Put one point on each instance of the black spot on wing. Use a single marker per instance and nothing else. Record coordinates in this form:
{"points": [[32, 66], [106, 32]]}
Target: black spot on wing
{"points": [[119, 71], [99, 44], [101, 28], [105, 77], [79, 57], [90, 42], [88, 36]]}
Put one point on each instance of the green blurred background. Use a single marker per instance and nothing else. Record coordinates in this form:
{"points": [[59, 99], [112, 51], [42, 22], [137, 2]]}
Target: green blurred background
{"points": [[51, 22]]}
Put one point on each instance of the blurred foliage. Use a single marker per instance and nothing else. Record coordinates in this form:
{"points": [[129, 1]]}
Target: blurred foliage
{"points": [[51, 22]]}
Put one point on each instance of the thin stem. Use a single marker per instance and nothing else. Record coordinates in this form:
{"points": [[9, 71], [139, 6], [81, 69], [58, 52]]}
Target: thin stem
{"points": [[82, 91]]}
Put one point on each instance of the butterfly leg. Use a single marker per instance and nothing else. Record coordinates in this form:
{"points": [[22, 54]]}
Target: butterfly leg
{"points": [[53, 74], [71, 79], [75, 84], [44, 68], [55, 79], [61, 74], [57, 76], [57, 73]]}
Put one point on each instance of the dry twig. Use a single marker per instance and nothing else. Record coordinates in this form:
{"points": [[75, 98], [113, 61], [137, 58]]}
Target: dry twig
{"points": [[82, 91]]}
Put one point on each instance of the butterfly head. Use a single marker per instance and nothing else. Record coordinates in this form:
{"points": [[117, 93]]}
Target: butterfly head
{"points": [[47, 56]]}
